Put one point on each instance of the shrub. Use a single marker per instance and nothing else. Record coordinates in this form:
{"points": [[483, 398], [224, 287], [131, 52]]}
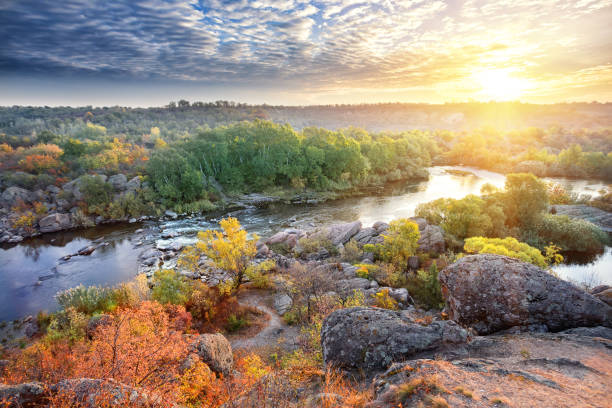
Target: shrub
{"points": [[400, 243], [258, 274], [314, 244], [508, 246], [95, 299], [389, 275], [383, 300], [97, 193], [202, 301], [235, 323], [170, 287], [424, 288], [351, 252], [570, 234]]}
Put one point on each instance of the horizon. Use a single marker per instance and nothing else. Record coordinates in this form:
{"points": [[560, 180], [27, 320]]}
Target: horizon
{"points": [[303, 53]]}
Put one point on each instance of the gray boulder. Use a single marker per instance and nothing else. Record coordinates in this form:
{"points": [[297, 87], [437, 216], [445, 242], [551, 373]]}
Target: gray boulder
{"points": [[491, 293], [282, 303], [12, 195], [86, 392], [370, 339], [55, 222], [215, 351], [133, 185], [118, 181], [342, 233], [605, 296], [432, 239]]}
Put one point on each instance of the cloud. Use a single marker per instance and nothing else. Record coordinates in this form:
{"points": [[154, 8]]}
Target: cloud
{"points": [[310, 46]]}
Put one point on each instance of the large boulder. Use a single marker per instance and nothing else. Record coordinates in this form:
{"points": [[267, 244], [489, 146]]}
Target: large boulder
{"points": [[215, 351], [12, 195], [342, 233], [491, 293], [370, 339], [55, 222], [133, 185], [432, 239], [31, 394]]}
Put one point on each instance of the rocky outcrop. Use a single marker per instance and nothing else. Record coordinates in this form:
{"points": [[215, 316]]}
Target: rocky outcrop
{"points": [[370, 339], [24, 395], [342, 233], [432, 237], [491, 293], [552, 370], [288, 238], [601, 218], [88, 393], [55, 222], [215, 351], [603, 293], [118, 181], [282, 303], [12, 195]]}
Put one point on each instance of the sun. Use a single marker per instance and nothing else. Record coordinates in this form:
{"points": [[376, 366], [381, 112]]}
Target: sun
{"points": [[499, 84]]}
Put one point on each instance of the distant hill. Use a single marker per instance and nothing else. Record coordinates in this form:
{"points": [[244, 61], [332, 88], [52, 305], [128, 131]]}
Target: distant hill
{"points": [[176, 119]]}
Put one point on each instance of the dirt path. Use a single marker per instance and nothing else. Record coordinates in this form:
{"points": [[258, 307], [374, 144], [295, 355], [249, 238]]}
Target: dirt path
{"points": [[275, 333]]}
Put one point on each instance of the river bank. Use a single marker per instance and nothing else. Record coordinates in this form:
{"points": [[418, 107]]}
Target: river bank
{"points": [[118, 245]]}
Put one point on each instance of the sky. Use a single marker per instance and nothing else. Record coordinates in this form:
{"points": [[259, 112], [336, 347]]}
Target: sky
{"points": [[300, 52]]}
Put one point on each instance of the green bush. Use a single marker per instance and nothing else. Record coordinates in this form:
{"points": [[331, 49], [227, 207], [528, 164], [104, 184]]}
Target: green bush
{"points": [[314, 244], [170, 287], [97, 193], [424, 288], [400, 243], [235, 323], [95, 299], [351, 252], [259, 274], [570, 234]]}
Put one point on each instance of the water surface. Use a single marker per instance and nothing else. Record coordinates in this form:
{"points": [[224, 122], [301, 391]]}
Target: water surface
{"points": [[31, 273]]}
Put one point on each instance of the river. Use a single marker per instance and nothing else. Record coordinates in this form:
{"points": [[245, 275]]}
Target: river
{"points": [[31, 273]]}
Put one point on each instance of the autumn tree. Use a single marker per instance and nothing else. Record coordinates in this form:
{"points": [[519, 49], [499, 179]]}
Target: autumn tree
{"points": [[230, 249], [400, 243]]}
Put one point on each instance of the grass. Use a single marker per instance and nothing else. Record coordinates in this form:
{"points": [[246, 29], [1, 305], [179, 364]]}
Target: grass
{"points": [[235, 323], [500, 401], [464, 392]]}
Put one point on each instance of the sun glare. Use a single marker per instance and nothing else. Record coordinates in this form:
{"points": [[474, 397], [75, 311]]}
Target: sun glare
{"points": [[499, 85]]}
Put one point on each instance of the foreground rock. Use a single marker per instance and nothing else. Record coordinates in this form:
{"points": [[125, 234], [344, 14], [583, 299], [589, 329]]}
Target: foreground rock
{"points": [[491, 293], [523, 370], [25, 395], [215, 351], [369, 339]]}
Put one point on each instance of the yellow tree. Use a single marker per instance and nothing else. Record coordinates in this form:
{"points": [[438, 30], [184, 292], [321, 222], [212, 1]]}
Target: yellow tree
{"points": [[400, 243], [230, 249]]}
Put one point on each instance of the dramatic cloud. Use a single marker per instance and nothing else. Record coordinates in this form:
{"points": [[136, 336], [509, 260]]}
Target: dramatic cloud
{"points": [[315, 51]]}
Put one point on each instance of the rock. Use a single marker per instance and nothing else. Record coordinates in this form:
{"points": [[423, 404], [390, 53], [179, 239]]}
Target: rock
{"points": [[55, 222], [288, 237], [365, 235], [97, 321], [346, 287], [23, 395], [150, 253], [12, 195], [605, 296], [282, 303], [400, 294], [370, 339], [599, 288], [171, 214], [133, 185], [118, 181], [492, 293], [215, 351], [599, 331], [88, 250], [380, 227], [53, 189], [86, 392], [432, 240], [601, 218], [342, 233]]}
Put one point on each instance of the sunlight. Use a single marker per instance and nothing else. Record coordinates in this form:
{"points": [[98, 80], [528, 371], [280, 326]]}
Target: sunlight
{"points": [[499, 84]]}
